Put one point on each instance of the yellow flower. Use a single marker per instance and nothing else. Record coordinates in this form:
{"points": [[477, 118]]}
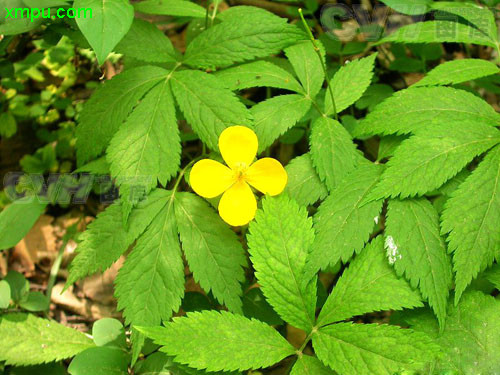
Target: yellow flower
{"points": [[209, 178]]}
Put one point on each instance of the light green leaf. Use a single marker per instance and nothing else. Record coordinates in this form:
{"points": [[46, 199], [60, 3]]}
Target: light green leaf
{"points": [[304, 185], [33, 340], [212, 249], [307, 365], [369, 284], [207, 105], [102, 360], [471, 219], [349, 83], [342, 224], [110, 20], [415, 249], [410, 110], [160, 364], [179, 8], [333, 152], [17, 219], [438, 32], [8, 125], [220, 341], [442, 153], [458, 71], [5, 295], [279, 243], [146, 42], [150, 285], [106, 239], [307, 66], [261, 35], [274, 116], [492, 275], [19, 25], [109, 107], [354, 349], [109, 332], [471, 338], [258, 74], [411, 7]]}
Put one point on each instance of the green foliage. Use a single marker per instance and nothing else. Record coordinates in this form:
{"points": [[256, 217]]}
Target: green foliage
{"points": [[307, 66], [307, 365], [179, 8], [304, 185]]}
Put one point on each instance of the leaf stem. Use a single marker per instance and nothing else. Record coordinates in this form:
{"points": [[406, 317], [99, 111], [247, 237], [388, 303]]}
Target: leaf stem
{"points": [[323, 64]]}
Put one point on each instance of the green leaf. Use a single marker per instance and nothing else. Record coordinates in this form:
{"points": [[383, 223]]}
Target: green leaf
{"points": [[179, 8], [45, 369], [8, 125], [374, 95], [19, 24], [109, 22], [307, 65], [410, 7], [349, 83], [220, 341], [410, 110], [106, 239], [160, 364], [4, 294], [471, 338], [261, 35], [442, 153], [415, 249], [34, 340], [148, 143], [274, 116], [458, 71], [102, 360], [492, 275], [19, 286], [369, 284], [307, 365], [212, 249], [17, 219], [279, 243], [304, 185], [353, 349], [438, 32], [256, 306], [258, 74], [471, 219], [109, 107], [342, 224], [150, 285], [207, 105], [109, 332], [333, 152], [146, 42], [35, 301]]}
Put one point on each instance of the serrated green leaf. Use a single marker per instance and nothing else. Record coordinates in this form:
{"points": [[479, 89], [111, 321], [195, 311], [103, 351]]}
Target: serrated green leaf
{"points": [[349, 83], [353, 349], [33, 340], [388, 145], [415, 248], [274, 116], [262, 34], [438, 32], [333, 152], [110, 20], [179, 8], [458, 71], [471, 220], [492, 275], [150, 285], [207, 105], [369, 284], [258, 74], [342, 224], [279, 243], [307, 66], [212, 249], [145, 42], [106, 239], [410, 7], [442, 153], [220, 341], [307, 365], [304, 185], [471, 338], [160, 364], [410, 110], [17, 219], [109, 106]]}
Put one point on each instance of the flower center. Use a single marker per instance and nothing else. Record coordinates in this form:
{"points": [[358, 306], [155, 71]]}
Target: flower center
{"points": [[239, 170]]}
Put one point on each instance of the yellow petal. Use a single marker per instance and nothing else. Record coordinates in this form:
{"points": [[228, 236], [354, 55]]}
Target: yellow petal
{"points": [[238, 145], [209, 178], [267, 175], [238, 205]]}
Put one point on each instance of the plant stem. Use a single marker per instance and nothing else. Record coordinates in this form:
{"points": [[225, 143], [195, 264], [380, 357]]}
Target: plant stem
{"points": [[214, 13], [55, 268], [183, 171], [323, 65]]}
